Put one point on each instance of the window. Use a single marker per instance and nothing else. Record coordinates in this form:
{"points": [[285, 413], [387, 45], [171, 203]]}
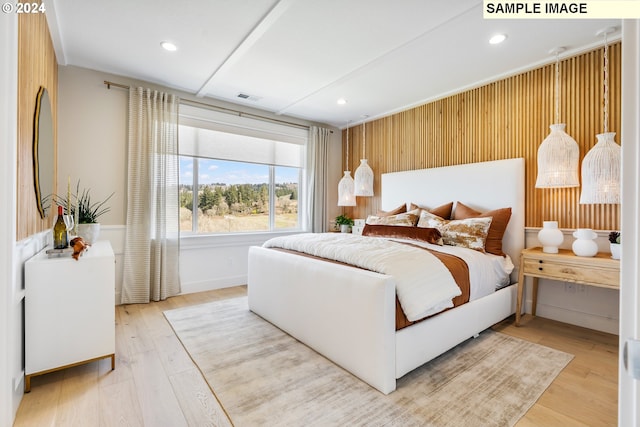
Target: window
{"points": [[239, 177]]}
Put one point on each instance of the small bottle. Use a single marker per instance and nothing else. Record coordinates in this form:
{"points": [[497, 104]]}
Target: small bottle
{"points": [[60, 232]]}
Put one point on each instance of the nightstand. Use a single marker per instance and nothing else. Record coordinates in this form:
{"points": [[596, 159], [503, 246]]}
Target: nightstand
{"points": [[600, 270]]}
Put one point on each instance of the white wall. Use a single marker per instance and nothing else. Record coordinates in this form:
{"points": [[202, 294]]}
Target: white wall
{"points": [[10, 305], [92, 141]]}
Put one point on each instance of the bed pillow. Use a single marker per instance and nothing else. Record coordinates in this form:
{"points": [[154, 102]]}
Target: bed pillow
{"points": [[467, 233], [429, 235], [400, 209], [407, 219], [499, 224], [443, 211]]}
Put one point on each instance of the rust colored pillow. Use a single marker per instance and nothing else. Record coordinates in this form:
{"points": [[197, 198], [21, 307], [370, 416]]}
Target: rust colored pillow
{"points": [[400, 209], [429, 235], [443, 211], [498, 226]]}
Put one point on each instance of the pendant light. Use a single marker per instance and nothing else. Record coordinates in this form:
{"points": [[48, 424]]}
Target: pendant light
{"points": [[559, 154], [601, 165], [364, 173], [346, 184]]}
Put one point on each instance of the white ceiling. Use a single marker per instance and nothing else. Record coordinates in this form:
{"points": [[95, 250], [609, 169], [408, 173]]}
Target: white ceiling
{"points": [[297, 57]]}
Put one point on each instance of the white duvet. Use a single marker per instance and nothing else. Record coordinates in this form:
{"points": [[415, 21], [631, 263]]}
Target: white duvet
{"points": [[406, 264], [424, 285]]}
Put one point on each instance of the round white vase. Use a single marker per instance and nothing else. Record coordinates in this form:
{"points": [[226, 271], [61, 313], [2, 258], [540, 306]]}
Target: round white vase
{"points": [[585, 245], [550, 237], [89, 232]]}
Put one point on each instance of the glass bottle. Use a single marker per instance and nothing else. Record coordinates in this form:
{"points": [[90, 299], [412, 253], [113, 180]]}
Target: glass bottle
{"points": [[60, 232]]}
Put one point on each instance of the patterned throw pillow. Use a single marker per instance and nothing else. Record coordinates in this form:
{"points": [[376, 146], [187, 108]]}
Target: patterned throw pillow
{"points": [[407, 219], [499, 224], [467, 233]]}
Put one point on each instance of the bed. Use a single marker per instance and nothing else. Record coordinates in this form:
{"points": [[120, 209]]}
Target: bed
{"points": [[348, 314]]}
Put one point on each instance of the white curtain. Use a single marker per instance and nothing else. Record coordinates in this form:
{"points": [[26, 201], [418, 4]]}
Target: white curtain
{"points": [[152, 238], [317, 157]]}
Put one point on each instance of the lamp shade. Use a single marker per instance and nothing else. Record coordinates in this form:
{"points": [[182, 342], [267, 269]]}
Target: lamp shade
{"points": [[558, 158], [364, 179], [601, 172], [345, 190]]}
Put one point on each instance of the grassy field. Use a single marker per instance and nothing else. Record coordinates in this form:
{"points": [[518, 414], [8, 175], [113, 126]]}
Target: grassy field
{"points": [[236, 223]]}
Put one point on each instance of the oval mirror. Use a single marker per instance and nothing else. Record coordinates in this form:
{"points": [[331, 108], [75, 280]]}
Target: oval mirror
{"points": [[43, 152]]}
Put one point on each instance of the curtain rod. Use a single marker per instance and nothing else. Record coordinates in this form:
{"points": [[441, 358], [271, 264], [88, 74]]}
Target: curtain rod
{"points": [[221, 109]]}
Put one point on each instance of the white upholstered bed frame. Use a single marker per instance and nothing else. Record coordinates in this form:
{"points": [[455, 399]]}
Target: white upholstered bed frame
{"points": [[348, 314]]}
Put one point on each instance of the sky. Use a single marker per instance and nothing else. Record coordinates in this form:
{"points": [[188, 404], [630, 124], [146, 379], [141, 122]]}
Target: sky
{"points": [[220, 171]]}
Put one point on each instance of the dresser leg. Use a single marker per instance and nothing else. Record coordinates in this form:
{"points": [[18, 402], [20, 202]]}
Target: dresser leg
{"points": [[27, 383]]}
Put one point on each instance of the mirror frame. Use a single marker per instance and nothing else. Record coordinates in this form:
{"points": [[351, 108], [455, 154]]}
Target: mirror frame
{"points": [[42, 137]]}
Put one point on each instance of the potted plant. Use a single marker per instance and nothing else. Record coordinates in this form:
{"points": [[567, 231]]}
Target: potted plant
{"points": [[85, 212], [344, 222], [614, 244]]}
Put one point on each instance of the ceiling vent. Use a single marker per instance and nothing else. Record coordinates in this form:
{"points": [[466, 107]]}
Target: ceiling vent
{"points": [[249, 97]]}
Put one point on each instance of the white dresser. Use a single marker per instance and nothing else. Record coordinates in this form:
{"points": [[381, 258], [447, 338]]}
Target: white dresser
{"points": [[69, 310]]}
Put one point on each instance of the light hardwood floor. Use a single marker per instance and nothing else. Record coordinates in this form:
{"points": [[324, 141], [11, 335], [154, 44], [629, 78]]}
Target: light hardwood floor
{"points": [[155, 383]]}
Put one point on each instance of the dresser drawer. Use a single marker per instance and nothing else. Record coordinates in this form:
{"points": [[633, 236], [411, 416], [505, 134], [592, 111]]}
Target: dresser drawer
{"points": [[568, 272]]}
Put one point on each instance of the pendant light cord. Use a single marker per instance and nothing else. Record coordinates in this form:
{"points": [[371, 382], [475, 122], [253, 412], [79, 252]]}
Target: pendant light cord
{"points": [[556, 94], [606, 84], [364, 141], [347, 164]]}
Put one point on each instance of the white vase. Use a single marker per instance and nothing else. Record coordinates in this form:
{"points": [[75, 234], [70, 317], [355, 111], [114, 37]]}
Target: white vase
{"points": [[550, 237], [616, 250], [89, 232], [585, 245], [345, 228]]}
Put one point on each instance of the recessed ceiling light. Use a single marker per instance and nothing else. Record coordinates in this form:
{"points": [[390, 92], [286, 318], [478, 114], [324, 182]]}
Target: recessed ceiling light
{"points": [[498, 38], [169, 46], [342, 101]]}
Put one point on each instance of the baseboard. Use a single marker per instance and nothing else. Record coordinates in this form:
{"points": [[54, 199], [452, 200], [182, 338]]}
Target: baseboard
{"points": [[18, 382], [209, 285], [577, 318]]}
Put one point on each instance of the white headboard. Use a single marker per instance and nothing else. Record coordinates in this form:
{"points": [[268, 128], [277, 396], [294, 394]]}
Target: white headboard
{"points": [[482, 186]]}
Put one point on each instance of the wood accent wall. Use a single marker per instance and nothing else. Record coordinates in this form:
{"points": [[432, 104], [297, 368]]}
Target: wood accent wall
{"points": [[37, 66], [505, 119]]}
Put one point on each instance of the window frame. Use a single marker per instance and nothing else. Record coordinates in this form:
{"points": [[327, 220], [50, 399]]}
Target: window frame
{"points": [[216, 121]]}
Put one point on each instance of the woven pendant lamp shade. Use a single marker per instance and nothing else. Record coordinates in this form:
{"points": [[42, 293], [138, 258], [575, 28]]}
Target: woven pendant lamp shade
{"points": [[559, 154], [601, 166], [364, 179], [558, 158], [601, 171], [346, 195], [364, 173]]}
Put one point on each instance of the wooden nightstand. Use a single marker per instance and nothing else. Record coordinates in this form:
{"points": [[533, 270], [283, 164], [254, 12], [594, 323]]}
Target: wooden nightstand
{"points": [[600, 270]]}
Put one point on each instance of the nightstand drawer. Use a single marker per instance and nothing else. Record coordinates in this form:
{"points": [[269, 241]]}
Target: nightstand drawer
{"points": [[572, 273]]}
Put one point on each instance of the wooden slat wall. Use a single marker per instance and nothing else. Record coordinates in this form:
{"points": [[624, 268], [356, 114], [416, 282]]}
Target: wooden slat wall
{"points": [[505, 119], [37, 66]]}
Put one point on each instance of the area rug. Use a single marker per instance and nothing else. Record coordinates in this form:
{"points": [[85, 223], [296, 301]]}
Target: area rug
{"points": [[264, 377]]}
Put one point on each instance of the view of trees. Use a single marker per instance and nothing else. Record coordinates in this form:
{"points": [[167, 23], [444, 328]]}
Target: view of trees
{"points": [[242, 199], [238, 208]]}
